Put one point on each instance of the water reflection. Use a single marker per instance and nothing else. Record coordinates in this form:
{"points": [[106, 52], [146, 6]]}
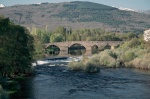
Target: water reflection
{"points": [[147, 72], [27, 90]]}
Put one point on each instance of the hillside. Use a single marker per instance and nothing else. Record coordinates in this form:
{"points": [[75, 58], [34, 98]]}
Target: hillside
{"points": [[77, 15], [147, 12]]}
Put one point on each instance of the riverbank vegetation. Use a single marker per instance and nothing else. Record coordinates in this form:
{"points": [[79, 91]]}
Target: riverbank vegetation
{"points": [[127, 55], [16, 51], [134, 53], [62, 34]]}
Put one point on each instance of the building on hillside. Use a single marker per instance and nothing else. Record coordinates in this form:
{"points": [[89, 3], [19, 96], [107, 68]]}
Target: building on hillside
{"points": [[1, 5], [147, 35]]}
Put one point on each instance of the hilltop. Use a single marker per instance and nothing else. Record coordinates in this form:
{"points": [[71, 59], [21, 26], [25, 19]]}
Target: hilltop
{"points": [[77, 15]]}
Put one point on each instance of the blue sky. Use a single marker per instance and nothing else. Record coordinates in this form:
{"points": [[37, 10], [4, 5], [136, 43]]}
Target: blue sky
{"points": [[133, 4]]}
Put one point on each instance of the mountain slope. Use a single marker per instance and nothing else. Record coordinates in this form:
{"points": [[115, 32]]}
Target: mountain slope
{"points": [[147, 12], [77, 15]]}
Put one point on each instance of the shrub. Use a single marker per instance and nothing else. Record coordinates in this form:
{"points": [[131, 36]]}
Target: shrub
{"points": [[107, 60], [91, 66], [128, 56], [77, 66], [142, 62], [87, 65]]}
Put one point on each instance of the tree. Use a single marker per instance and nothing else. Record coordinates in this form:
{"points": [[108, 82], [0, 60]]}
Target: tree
{"points": [[62, 31], [16, 49], [56, 38]]}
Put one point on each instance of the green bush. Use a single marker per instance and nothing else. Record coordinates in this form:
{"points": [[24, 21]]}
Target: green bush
{"points": [[91, 66], [106, 59], [86, 65], [128, 56], [77, 66]]}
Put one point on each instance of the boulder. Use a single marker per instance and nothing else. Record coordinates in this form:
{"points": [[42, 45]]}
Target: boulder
{"points": [[147, 35]]}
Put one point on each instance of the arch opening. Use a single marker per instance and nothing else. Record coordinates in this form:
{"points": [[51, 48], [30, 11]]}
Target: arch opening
{"points": [[76, 49], [52, 50], [94, 49], [103, 47], [107, 46]]}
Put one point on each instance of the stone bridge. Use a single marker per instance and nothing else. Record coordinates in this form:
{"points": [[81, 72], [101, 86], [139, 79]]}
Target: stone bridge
{"points": [[64, 46]]}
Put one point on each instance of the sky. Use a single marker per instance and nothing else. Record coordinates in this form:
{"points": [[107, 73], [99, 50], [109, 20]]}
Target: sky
{"points": [[132, 4]]}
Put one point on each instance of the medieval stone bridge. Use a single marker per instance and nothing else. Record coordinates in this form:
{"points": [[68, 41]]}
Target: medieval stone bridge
{"points": [[64, 46]]}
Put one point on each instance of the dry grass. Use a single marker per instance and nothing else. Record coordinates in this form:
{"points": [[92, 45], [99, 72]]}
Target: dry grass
{"points": [[142, 62]]}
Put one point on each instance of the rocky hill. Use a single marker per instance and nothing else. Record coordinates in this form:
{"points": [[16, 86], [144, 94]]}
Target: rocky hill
{"points": [[147, 35], [77, 15]]}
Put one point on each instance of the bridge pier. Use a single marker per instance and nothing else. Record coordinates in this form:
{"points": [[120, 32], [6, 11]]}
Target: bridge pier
{"points": [[88, 50], [64, 50]]}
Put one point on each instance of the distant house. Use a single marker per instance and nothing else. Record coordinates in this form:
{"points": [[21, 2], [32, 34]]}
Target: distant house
{"points": [[1, 5], [147, 35]]}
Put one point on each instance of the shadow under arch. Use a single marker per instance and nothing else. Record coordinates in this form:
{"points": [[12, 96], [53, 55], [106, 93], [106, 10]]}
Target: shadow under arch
{"points": [[52, 50], [76, 49], [94, 49], [107, 46], [102, 48]]}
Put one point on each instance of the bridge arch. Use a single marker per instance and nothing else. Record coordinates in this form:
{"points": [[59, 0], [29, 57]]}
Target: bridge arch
{"points": [[52, 50], [76, 49], [94, 49], [107, 46]]}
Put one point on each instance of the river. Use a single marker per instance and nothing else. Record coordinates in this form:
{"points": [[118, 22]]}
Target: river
{"points": [[57, 82]]}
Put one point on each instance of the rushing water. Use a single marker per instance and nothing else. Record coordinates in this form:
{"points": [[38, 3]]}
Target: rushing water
{"points": [[56, 82]]}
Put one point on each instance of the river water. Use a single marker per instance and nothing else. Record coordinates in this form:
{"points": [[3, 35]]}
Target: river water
{"points": [[57, 82]]}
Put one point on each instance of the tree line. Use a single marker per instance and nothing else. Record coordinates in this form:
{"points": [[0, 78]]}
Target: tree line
{"points": [[61, 34]]}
